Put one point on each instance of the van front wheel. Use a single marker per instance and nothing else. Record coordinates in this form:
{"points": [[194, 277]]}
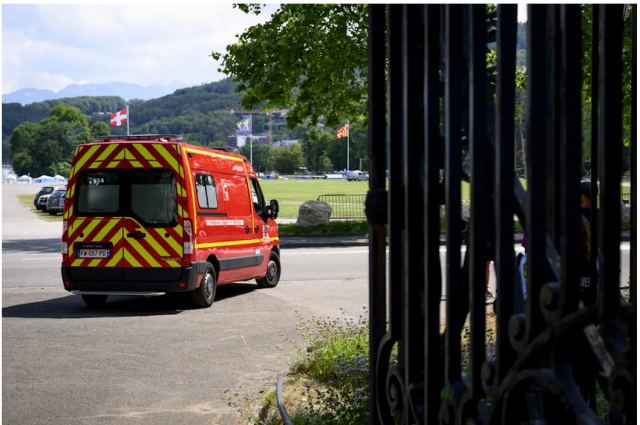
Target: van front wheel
{"points": [[206, 293], [272, 277]]}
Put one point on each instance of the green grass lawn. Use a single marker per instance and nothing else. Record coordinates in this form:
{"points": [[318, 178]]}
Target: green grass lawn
{"points": [[292, 193], [27, 202]]}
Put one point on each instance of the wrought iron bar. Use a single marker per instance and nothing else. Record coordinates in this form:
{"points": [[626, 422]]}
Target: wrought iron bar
{"points": [[633, 289], [478, 246], [538, 104], [432, 200], [504, 181], [376, 208], [412, 342], [609, 131], [453, 110]]}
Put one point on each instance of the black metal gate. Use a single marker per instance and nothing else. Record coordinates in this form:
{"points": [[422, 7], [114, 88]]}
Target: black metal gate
{"points": [[564, 350]]}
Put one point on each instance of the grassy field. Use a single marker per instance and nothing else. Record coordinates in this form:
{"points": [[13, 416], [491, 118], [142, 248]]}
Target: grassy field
{"points": [[292, 193], [27, 201]]}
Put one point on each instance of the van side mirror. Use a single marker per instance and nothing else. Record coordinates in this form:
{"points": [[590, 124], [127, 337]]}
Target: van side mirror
{"points": [[274, 209]]}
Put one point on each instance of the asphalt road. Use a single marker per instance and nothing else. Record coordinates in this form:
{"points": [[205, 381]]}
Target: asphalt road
{"points": [[151, 360], [155, 360]]}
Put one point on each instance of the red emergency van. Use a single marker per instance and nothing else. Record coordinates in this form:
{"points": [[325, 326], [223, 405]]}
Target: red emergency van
{"points": [[148, 214]]}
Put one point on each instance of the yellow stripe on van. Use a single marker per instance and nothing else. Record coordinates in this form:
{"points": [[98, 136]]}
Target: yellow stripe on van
{"points": [[170, 241], [106, 229], [228, 243], [85, 157], [131, 259], [143, 253], [162, 150], [214, 154], [144, 152]]}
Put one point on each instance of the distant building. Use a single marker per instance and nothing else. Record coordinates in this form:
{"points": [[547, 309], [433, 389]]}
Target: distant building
{"points": [[286, 143]]}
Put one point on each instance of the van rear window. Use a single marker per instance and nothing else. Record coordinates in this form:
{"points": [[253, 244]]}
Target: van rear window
{"points": [[146, 195], [99, 193]]}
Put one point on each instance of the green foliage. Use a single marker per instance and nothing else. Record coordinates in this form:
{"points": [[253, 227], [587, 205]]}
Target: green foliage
{"points": [[587, 54], [287, 160], [47, 147], [261, 156], [311, 58], [338, 358], [332, 228]]}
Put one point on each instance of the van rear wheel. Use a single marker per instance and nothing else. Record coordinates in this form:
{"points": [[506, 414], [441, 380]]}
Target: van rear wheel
{"points": [[94, 300], [204, 295], [272, 277]]}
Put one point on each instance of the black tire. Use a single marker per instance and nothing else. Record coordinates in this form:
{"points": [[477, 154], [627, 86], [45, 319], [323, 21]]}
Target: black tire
{"points": [[273, 273], [206, 293], [94, 300], [52, 212]]}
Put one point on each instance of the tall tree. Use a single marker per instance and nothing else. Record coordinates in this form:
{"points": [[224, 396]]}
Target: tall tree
{"points": [[309, 57], [47, 147]]}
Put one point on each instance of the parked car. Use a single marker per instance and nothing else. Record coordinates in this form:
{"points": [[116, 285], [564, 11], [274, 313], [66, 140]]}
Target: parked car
{"points": [[43, 201], [55, 204], [44, 191], [356, 175]]}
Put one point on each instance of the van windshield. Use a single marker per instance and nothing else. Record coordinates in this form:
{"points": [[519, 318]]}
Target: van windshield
{"points": [[147, 195]]}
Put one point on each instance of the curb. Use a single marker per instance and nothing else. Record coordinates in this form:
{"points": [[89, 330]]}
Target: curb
{"points": [[363, 240]]}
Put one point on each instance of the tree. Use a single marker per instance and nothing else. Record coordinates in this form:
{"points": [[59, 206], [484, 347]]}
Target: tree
{"points": [[47, 147], [261, 156], [287, 160], [100, 129], [311, 58]]}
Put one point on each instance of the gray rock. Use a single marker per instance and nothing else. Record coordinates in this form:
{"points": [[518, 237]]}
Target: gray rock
{"points": [[314, 213]]}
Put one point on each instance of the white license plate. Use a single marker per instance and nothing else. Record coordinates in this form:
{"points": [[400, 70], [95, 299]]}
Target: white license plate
{"points": [[94, 253]]}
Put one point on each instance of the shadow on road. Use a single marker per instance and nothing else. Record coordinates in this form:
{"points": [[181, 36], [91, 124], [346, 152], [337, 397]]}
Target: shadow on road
{"points": [[42, 246], [72, 306]]}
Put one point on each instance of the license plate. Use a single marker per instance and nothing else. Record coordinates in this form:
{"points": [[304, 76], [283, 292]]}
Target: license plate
{"points": [[94, 253]]}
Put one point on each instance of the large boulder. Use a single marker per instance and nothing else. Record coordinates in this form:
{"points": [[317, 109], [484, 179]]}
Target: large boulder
{"points": [[314, 213]]}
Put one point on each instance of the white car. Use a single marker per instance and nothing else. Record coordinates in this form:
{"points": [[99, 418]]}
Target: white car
{"points": [[356, 175]]}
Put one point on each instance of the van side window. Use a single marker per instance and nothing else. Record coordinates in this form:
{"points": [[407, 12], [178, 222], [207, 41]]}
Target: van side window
{"points": [[206, 191], [256, 194]]}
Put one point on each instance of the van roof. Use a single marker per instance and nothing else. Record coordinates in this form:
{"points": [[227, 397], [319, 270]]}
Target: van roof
{"points": [[162, 138]]}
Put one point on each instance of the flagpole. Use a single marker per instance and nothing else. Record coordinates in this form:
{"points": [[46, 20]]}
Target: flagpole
{"points": [[128, 118], [348, 131]]}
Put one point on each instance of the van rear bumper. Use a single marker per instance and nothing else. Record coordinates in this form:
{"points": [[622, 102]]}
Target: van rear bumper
{"points": [[142, 279]]}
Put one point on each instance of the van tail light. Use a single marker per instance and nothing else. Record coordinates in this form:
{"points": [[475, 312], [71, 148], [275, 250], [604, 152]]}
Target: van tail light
{"points": [[63, 244], [187, 245]]}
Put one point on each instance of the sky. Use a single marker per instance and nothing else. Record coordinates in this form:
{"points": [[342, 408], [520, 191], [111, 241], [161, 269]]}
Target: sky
{"points": [[49, 46]]}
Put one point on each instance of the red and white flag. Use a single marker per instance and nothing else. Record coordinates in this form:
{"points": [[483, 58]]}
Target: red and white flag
{"points": [[343, 131], [119, 118]]}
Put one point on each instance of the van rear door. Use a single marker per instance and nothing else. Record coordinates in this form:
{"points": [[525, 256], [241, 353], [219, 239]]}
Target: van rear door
{"points": [[95, 227], [153, 223], [152, 232]]}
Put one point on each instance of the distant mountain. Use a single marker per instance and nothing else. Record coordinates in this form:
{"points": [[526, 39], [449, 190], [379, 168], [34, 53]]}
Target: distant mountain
{"points": [[126, 91], [26, 96]]}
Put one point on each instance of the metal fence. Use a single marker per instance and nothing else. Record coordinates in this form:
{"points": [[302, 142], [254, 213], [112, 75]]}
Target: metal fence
{"points": [[345, 207], [568, 355]]}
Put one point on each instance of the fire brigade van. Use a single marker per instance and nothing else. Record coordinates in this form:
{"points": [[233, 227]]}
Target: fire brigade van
{"points": [[150, 214]]}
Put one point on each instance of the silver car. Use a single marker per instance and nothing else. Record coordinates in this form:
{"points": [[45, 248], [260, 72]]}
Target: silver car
{"points": [[356, 175], [55, 203]]}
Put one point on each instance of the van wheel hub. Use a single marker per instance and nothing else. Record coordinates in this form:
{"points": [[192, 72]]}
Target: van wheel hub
{"points": [[272, 270], [208, 285]]}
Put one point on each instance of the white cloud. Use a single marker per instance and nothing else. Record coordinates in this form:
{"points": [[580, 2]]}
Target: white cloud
{"points": [[46, 46]]}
